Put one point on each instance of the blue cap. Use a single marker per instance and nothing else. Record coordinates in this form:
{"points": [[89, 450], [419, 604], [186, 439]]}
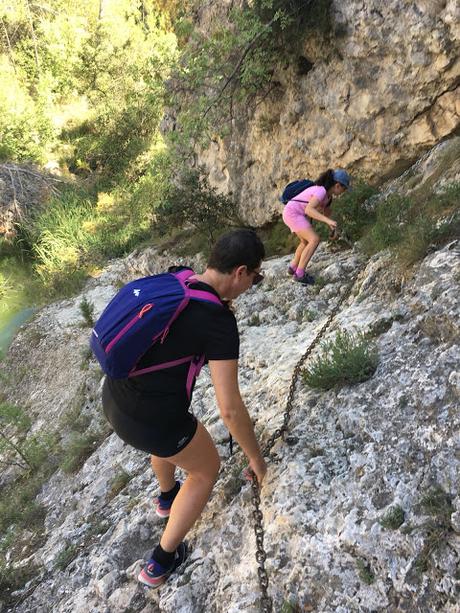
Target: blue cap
{"points": [[341, 176]]}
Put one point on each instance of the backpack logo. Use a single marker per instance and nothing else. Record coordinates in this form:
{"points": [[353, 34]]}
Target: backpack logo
{"points": [[136, 292]]}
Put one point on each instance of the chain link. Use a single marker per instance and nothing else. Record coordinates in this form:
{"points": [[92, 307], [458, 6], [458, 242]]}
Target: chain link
{"points": [[266, 605]]}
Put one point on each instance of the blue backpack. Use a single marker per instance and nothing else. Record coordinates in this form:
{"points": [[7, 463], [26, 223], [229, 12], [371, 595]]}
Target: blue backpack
{"points": [[295, 187], [140, 315]]}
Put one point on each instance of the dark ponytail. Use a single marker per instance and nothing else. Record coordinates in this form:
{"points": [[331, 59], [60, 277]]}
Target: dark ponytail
{"points": [[326, 179]]}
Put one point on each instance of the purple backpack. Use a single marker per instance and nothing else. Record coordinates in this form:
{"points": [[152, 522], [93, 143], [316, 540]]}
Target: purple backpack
{"points": [[138, 316]]}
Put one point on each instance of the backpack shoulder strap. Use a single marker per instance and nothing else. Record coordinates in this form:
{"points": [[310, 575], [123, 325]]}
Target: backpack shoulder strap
{"points": [[185, 277], [201, 294], [184, 274]]}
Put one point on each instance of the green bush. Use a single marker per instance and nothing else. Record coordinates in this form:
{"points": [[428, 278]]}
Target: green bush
{"points": [[25, 129], [412, 227], [194, 202], [437, 504], [365, 572], [39, 449], [66, 556], [18, 505], [393, 518], [78, 450], [120, 481], [352, 211], [391, 221], [346, 360], [277, 238], [78, 230]]}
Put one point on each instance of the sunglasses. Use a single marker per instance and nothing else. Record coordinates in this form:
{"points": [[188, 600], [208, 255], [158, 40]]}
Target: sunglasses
{"points": [[258, 278]]}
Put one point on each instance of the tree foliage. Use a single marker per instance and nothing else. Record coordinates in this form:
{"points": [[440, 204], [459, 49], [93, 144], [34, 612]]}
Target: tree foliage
{"points": [[110, 57], [193, 202], [232, 69]]}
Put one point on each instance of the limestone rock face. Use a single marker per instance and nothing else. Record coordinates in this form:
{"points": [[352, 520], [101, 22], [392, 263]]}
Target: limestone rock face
{"points": [[383, 91], [361, 505], [352, 455]]}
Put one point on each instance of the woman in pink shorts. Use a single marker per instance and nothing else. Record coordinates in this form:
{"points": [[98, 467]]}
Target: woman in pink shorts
{"points": [[314, 203]]}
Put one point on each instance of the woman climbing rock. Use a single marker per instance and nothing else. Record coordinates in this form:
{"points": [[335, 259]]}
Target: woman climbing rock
{"points": [[312, 203]]}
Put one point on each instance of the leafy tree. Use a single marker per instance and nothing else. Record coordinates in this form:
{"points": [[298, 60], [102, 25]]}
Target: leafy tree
{"points": [[233, 68], [194, 202]]}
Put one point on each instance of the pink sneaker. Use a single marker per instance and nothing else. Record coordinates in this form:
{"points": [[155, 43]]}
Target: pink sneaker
{"points": [[154, 574], [162, 506]]}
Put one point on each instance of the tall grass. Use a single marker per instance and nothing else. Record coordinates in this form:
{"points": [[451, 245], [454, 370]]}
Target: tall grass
{"points": [[79, 230]]}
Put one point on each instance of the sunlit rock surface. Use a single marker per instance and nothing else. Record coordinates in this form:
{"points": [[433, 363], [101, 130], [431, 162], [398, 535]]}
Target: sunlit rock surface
{"points": [[352, 454], [371, 95]]}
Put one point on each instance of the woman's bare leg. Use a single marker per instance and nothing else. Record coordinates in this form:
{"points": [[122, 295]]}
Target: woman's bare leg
{"points": [[312, 241], [201, 461], [298, 252], [164, 472]]}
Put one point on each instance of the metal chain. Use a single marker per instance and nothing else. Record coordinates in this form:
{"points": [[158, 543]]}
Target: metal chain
{"points": [[266, 605]]}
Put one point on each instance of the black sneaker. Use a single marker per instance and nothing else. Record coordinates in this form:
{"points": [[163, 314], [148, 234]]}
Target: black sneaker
{"points": [[306, 279], [153, 574], [162, 506]]}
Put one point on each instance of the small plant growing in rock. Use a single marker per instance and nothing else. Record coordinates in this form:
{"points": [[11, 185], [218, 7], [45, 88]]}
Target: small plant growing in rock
{"points": [[437, 504], [309, 315], [119, 482], [346, 360], [254, 320], [79, 448], [364, 571], [66, 556], [320, 282], [290, 606], [393, 519], [86, 355], [87, 311]]}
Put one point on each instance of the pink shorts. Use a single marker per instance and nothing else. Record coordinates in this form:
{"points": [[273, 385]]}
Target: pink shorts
{"points": [[294, 220]]}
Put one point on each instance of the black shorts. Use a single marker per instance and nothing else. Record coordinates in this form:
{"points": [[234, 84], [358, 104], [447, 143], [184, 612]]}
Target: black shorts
{"points": [[141, 422]]}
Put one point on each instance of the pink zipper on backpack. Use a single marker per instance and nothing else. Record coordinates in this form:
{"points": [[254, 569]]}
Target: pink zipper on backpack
{"points": [[129, 325]]}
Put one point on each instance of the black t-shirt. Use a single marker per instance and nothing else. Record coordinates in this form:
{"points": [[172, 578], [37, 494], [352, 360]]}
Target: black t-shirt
{"points": [[203, 328]]}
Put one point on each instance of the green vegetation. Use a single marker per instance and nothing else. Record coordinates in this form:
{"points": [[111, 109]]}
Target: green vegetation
{"points": [[78, 450], [66, 556], [365, 572], [13, 424], [290, 606], [254, 320], [232, 67], [87, 311], [438, 506], [277, 238], [12, 579], [346, 360], [18, 506], [119, 482], [353, 212], [393, 518], [195, 203], [411, 227]]}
